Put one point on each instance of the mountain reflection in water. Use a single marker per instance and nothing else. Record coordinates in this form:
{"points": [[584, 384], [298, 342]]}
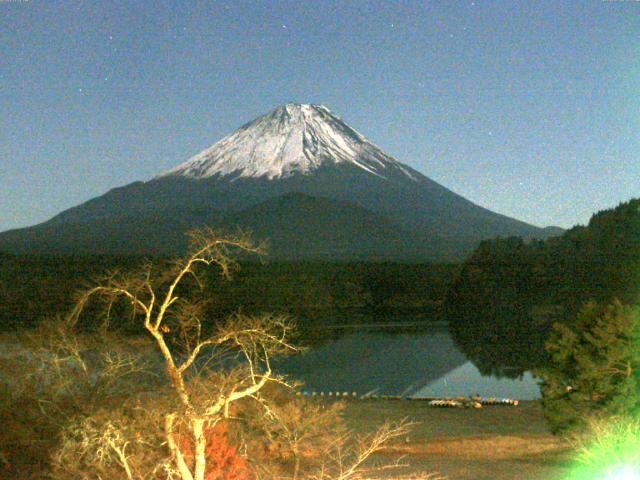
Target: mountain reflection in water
{"points": [[407, 364]]}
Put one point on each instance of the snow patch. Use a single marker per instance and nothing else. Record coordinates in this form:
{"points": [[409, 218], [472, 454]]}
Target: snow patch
{"points": [[293, 138]]}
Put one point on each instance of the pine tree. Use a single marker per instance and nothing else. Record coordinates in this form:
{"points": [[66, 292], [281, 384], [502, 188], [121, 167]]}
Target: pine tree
{"points": [[595, 367]]}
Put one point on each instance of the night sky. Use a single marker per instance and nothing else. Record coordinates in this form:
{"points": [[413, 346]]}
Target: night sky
{"points": [[528, 108]]}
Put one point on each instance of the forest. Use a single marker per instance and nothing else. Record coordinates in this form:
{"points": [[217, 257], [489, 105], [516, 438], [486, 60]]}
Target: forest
{"points": [[501, 303], [508, 294], [32, 288]]}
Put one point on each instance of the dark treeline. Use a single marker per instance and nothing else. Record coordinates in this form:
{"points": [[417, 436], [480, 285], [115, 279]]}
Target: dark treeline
{"points": [[33, 288], [501, 303], [508, 293]]}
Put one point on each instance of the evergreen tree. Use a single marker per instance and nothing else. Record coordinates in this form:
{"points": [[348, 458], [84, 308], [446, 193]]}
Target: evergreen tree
{"points": [[595, 367]]}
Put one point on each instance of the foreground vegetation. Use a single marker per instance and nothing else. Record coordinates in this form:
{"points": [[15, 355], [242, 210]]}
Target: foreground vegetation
{"points": [[188, 398], [594, 371], [145, 385]]}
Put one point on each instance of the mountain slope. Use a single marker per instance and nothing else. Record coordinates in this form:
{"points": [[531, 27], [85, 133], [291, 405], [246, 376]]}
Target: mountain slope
{"points": [[298, 226], [304, 227], [254, 173]]}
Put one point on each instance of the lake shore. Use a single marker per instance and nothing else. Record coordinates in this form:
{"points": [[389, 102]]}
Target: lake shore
{"points": [[491, 443]]}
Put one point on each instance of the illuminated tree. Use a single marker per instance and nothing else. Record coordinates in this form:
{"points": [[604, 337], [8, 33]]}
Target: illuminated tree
{"points": [[179, 400], [177, 326]]}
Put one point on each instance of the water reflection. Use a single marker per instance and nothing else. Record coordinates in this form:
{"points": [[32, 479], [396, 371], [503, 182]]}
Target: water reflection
{"points": [[467, 380], [372, 360]]}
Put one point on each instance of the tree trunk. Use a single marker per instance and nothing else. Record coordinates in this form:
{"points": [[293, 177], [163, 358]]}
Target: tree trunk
{"points": [[183, 469], [296, 467], [200, 446]]}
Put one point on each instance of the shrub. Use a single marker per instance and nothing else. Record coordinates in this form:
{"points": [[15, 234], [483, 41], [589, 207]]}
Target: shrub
{"points": [[223, 460]]}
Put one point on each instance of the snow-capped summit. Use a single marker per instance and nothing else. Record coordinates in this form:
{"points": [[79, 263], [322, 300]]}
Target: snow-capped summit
{"points": [[298, 176], [293, 138]]}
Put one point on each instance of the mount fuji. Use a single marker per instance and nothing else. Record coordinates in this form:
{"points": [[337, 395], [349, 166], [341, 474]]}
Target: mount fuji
{"points": [[298, 176], [288, 140]]}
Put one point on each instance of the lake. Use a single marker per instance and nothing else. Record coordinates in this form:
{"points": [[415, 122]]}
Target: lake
{"points": [[370, 360], [376, 359]]}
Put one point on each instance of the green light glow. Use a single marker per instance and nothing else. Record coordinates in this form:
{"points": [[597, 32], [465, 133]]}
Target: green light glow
{"points": [[611, 451], [624, 473]]}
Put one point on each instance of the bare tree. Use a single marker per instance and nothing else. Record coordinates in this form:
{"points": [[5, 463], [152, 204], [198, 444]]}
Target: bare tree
{"points": [[347, 457], [117, 420], [295, 434], [185, 341], [55, 379]]}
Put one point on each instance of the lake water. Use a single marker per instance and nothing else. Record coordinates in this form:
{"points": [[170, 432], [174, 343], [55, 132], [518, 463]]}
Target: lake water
{"points": [[408, 364], [374, 361]]}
